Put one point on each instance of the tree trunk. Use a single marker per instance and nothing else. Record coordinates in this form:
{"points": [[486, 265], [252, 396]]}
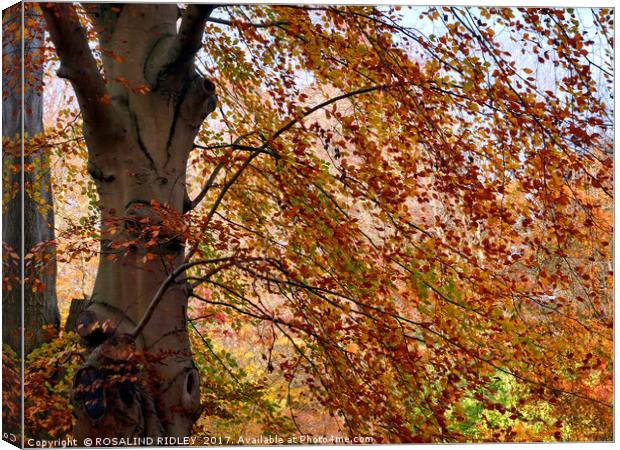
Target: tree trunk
{"points": [[139, 127], [40, 305]]}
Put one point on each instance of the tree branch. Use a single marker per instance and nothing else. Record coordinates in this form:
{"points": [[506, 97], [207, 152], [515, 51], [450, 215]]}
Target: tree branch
{"points": [[235, 146], [309, 111], [159, 295], [175, 53], [228, 185], [215, 355], [205, 189], [246, 148], [191, 30], [77, 63]]}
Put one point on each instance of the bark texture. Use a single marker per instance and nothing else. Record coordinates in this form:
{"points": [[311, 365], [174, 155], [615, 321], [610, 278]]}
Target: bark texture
{"points": [[40, 307], [139, 141]]}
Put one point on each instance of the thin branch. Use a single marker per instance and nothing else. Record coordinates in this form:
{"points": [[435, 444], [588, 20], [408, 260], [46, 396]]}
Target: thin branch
{"points": [[235, 146], [247, 148], [248, 24], [206, 343], [205, 189], [296, 120], [228, 185]]}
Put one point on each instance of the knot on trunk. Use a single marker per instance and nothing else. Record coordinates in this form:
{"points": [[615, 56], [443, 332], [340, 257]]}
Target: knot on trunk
{"points": [[91, 330], [199, 102], [97, 173], [187, 385]]}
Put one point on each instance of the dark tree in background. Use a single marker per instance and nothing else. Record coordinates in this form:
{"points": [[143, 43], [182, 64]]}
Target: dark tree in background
{"points": [[40, 304]]}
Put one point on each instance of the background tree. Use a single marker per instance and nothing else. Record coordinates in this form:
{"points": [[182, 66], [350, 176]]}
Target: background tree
{"points": [[40, 304], [414, 221]]}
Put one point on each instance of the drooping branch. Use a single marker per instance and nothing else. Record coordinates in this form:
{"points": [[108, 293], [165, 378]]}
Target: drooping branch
{"points": [[265, 147], [276, 135], [369, 310], [215, 355], [257, 312], [229, 184], [309, 111], [77, 63]]}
